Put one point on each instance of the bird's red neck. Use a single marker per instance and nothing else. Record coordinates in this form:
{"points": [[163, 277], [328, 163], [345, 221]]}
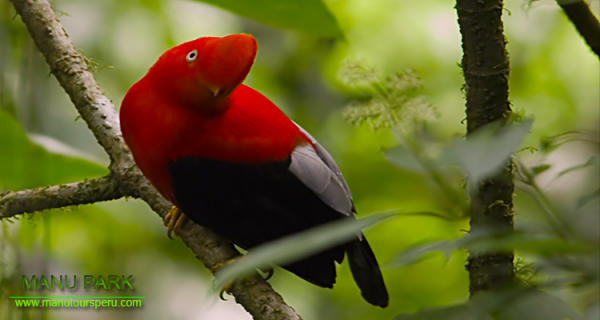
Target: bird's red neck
{"points": [[252, 130]]}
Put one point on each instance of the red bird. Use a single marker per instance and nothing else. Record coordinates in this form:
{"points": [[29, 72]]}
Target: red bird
{"points": [[232, 161]]}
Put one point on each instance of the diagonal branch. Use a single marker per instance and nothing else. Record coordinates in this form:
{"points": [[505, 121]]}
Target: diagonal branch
{"points": [[578, 11], [72, 71], [72, 194]]}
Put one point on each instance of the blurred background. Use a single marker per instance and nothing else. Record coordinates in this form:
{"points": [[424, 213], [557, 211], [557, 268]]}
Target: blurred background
{"points": [[554, 79]]}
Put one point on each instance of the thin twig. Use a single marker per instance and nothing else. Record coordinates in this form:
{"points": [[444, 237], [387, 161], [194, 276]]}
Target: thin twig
{"points": [[72, 194], [585, 22]]}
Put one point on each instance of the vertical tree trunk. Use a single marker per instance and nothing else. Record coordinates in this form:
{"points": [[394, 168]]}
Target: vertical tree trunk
{"points": [[486, 67]]}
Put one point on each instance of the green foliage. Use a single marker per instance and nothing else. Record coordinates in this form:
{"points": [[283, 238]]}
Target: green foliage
{"points": [[566, 254], [480, 156], [449, 313], [592, 313], [592, 161], [525, 271], [24, 164], [535, 305], [92, 65], [484, 152], [532, 241], [310, 16], [421, 154], [30, 231], [297, 246], [510, 304], [551, 143], [298, 71], [394, 103]]}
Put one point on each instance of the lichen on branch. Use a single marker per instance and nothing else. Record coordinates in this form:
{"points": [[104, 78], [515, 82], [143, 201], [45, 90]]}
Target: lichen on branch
{"points": [[72, 194]]}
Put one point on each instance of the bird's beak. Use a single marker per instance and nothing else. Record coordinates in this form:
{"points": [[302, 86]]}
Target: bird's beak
{"points": [[225, 62], [214, 90]]}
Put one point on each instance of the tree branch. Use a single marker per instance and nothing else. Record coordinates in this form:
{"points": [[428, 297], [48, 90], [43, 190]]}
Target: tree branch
{"points": [[72, 194], [586, 23], [485, 68], [72, 71]]}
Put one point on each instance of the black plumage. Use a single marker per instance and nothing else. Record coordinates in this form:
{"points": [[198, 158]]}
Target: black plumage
{"points": [[250, 204]]}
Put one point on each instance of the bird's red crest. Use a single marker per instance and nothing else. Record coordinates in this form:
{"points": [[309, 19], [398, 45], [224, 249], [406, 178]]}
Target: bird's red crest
{"points": [[205, 71]]}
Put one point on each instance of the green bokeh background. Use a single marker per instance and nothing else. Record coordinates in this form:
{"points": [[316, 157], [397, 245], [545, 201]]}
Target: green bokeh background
{"points": [[554, 79]]}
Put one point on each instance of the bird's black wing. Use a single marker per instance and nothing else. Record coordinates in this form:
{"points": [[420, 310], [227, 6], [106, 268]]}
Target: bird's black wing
{"points": [[319, 172], [251, 204]]}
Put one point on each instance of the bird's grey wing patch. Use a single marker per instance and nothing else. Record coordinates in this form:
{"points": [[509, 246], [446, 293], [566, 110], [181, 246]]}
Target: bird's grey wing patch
{"points": [[326, 157], [308, 167], [319, 172]]}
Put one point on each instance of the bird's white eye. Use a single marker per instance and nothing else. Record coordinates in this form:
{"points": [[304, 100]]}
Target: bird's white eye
{"points": [[191, 56]]}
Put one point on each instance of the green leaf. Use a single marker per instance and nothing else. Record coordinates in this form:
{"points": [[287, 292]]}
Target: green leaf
{"points": [[549, 144], [531, 241], [418, 253], [485, 151], [593, 313], [479, 307], [297, 246], [540, 169], [581, 202], [511, 304], [460, 312], [537, 305], [525, 241], [311, 16], [403, 158], [25, 165], [427, 214], [592, 161], [418, 156]]}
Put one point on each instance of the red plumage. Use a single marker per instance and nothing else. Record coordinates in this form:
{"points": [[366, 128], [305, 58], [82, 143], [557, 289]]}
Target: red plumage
{"points": [[232, 161], [253, 130]]}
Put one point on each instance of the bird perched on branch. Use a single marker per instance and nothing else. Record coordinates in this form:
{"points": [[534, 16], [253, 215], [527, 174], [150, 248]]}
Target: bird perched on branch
{"points": [[230, 160]]}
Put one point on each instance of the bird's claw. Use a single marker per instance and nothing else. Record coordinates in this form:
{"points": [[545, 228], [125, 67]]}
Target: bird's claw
{"points": [[229, 284], [174, 220], [268, 271], [226, 288]]}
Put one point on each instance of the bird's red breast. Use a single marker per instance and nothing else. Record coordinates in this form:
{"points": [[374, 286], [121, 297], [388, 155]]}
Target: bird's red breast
{"points": [[252, 130]]}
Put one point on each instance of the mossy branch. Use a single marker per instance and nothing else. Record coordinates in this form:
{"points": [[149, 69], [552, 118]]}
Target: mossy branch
{"points": [[73, 72], [72, 194]]}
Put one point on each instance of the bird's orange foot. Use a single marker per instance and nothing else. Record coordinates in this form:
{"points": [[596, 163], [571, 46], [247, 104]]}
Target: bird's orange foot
{"points": [[174, 220]]}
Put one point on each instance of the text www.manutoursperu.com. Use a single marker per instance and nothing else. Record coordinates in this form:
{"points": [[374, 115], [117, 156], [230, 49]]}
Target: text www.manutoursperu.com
{"points": [[78, 303]]}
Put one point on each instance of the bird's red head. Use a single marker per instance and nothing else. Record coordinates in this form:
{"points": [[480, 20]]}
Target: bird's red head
{"points": [[203, 73]]}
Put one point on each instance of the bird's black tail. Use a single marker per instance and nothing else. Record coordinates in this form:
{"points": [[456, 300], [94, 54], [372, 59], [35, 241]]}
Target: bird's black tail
{"points": [[366, 272]]}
